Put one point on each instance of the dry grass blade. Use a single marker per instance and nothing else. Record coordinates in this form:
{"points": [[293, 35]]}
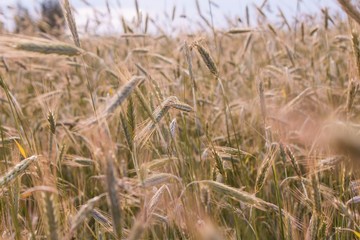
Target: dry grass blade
{"points": [[317, 195], [350, 10], [345, 210], [173, 127], [70, 20], [158, 114], [356, 48], [246, 198], [8, 140], [262, 100], [353, 200], [226, 153], [158, 163], [239, 195], [353, 88], [311, 233], [134, 35], [51, 215], [162, 58], [155, 199], [113, 103], [4, 62], [127, 132], [159, 178], [190, 65], [102, 219], [113, 198], [264, 168], [137, 230], [198, 7], [29, 192], [356, 233], [83, 213], [239, 31], [17, 170]]}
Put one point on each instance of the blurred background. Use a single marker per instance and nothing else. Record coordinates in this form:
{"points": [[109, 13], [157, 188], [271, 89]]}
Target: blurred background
{"points": [[169, 17]]}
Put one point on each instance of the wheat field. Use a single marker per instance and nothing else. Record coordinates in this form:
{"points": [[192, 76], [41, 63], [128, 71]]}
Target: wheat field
{"points": [[244, 133]]}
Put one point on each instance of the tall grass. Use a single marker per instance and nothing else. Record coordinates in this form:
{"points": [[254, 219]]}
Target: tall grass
{"points": [[243, 133]]}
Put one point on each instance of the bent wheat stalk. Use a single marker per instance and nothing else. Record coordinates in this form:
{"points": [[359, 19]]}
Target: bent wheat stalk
{"points": [[17, 170], [264, 168], [150, 124], [49, 48], [83, 213], [114, 102], [246, 198]]}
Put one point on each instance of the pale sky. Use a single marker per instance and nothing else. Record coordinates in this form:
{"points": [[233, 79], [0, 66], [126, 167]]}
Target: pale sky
{"points": [[161, 11]]}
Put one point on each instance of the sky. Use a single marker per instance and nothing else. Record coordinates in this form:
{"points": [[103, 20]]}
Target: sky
{"points": [[186, 15]]}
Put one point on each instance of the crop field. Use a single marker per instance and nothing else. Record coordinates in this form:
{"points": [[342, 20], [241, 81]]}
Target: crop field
{"points": [[250, 132]]}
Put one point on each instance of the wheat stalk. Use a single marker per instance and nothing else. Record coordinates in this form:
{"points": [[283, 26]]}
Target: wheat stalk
{"points": [[173, 127], [158, 114], [246, 198], [350, 10], [103, 220], [206, 57], [356, 49], [48, 48], [17, 170], [262, 100], [264, 168], [70, 20], [353, 88], [83, 213], [51, 216], [239, 31], [52, 128], [311, 233], [113, 197], [155, 199], [121, 95], [137, 230], [156, 179], [317, 195]]}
